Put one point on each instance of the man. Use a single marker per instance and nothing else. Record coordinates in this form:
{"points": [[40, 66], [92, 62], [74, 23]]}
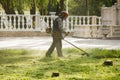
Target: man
{"points": [[57, 34]]}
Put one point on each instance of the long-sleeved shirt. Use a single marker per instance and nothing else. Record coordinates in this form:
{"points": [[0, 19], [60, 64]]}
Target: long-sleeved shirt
{"points": [[58, 30]]}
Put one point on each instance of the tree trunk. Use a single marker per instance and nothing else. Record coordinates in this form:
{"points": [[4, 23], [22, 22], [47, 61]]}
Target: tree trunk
{"points": [[33, 7], [20, 8], [61, 5], [57, 9], [9, 9], [20, 11], [33, 11]]}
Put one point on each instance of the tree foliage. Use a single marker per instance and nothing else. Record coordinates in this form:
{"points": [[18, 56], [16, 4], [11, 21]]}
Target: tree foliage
{"points": [[79, 7], [76, 7]]}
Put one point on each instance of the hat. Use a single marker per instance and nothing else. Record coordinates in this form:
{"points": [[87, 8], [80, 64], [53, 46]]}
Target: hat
{"points": [[64, 12]]}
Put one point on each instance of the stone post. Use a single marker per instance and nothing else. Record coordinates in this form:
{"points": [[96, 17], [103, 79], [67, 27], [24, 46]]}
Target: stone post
{"points": [[118, 12], [111, 17]]}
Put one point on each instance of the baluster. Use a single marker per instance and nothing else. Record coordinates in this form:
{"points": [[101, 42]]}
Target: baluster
{"points": [[9, 23], [88, 20], [27, 21], [19, 22], [72, 22], [2, 22], [93, 20], [79, 20], [14, 24], [67, 25], [99, 21], [48, 25], [37, 22], [23, 28], [34, 25], [75, 20], [47, 20], [52, 19], [40, 23], [45, 24], [5, 23], [31, 22], [83, 20]]}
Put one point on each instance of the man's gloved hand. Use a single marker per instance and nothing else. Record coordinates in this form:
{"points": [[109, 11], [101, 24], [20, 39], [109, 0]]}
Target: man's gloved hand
{"points": [[66, 34], [48, 30]]}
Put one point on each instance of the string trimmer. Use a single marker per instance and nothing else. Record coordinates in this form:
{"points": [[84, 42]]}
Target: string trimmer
{"points": [[85, 53]]}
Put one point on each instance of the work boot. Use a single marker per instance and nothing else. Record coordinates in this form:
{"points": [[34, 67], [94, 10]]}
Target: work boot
{"points": [[60, 56], [48, 55]]}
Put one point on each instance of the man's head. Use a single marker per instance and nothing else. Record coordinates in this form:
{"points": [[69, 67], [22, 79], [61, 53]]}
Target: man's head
{"points": [[63, 14]]}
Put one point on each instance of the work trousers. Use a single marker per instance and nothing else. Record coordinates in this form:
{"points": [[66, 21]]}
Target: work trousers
{"points": [[57, 43]]}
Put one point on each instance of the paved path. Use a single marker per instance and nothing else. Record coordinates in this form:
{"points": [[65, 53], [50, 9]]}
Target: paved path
{"points": [[45, 42]]}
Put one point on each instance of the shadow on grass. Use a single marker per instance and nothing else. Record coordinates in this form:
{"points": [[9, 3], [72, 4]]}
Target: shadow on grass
{"points": [[66, 67]]}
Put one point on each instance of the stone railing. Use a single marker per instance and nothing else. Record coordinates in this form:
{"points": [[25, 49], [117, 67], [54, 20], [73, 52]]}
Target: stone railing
{"points": [[39, 23], [19, 23], [82, 26]]}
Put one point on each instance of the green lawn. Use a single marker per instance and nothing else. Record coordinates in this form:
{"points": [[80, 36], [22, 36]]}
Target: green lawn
{"points": [[33, 65]]}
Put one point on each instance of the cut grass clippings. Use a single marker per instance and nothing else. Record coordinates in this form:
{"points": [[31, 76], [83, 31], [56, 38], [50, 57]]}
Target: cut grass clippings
{"points": [[33, 65]]}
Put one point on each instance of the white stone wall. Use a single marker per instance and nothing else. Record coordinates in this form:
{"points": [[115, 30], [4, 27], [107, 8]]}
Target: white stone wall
{"points": [[97, 31], [87, 32]]}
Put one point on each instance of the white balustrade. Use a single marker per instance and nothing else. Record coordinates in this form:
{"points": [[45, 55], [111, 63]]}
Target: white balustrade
{"points": [[39, 23]]}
